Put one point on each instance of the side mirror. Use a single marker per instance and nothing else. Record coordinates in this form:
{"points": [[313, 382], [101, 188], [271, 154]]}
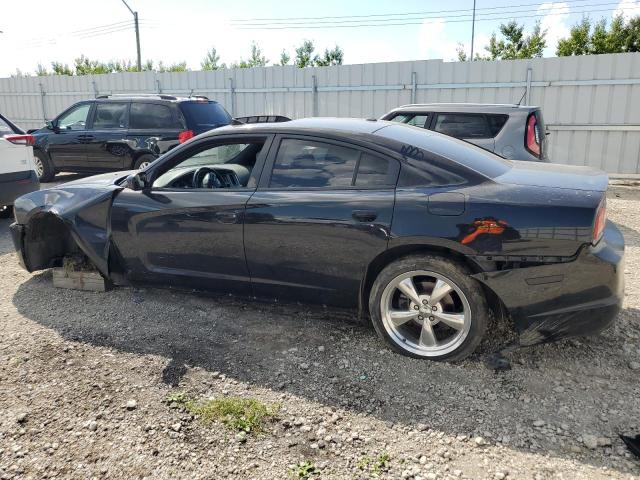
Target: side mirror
{"points": [[52, 125], [137, 181]]}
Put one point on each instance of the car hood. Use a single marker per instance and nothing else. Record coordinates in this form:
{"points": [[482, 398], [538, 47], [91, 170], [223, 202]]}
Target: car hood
{"points": [[105, 179], [555, 176]]}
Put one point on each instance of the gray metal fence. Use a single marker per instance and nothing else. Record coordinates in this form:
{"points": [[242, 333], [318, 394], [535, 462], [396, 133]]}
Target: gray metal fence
{"points": [[591, 104]]}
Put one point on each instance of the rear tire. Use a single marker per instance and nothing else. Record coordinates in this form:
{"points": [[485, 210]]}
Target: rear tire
{"points": [[44, 168], [143, 161], [442, 316], [6, 211]]}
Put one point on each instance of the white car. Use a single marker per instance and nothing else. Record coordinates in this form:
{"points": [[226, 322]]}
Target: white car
{"points": [[17, 170]]}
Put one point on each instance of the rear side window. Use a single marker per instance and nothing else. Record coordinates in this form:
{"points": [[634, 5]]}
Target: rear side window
{"points": [[204, 115], [110, 116], [496, 122], [310, 164], [302, 163], [460, 125], [152, 116]]}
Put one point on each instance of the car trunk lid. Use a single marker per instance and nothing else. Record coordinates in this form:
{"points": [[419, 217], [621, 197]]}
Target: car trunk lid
{"points": [[555, 176]]}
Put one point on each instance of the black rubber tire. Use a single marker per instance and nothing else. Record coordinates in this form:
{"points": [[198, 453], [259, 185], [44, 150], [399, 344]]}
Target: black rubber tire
{"points": [[143, 159], [460, 275], [48, 173], [6, 211]]}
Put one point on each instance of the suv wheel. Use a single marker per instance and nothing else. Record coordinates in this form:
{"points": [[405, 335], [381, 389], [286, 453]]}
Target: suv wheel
{"points": [[43, 166], [143, 161], [429, 307]]}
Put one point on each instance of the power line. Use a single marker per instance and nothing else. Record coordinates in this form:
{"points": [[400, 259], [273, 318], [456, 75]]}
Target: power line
{"points": [[271, 20], [267, 27]]}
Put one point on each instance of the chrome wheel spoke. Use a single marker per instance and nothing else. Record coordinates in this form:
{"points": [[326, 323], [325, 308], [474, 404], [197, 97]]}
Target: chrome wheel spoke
{"points": [[440, 290], [427, 337], [400, 317], [454, 320], [407, 287]]}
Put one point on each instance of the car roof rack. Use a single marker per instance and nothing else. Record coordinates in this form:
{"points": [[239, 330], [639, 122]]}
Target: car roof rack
{"points": [[261, 119], [139, 95]]}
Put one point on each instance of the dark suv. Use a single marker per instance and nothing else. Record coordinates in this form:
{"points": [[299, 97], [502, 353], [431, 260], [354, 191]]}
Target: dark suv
{"points": [[117, 132], [516, 132]]}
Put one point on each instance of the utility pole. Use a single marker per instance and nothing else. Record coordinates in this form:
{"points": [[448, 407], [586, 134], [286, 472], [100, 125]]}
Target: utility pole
{"points": [[473, 27], [135, 21]]}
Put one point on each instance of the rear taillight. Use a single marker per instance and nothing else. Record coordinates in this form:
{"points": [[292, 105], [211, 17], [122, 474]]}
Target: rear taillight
{"points": [[532, 135], [600, 221], [184, 136], [27, 140]]}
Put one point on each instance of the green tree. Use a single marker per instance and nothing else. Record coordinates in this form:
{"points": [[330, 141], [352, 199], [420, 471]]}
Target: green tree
{"points": [[174, 67], [41, 70], [61, 69], [304, 55], [515, 44], [587, 38], [330, 57], [257, 59], [211, 60], [284, 58]]}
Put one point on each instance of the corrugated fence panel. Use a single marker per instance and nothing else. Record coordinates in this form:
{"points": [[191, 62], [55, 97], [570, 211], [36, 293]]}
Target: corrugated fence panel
{"points": [[590, 103]]}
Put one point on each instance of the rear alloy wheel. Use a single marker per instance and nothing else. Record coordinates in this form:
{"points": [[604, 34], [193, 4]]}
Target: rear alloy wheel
{"points": [[429, 307], [42, 166], [143, 161]]}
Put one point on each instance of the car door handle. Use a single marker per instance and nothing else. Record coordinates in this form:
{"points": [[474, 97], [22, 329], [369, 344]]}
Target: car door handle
{"points": [[364, 215]]}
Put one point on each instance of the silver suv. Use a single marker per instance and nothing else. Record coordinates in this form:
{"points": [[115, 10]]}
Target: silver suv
{"points": [[512, 131]]}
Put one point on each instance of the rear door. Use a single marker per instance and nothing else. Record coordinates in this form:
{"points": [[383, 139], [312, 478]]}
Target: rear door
{"points": [[321, 214], [106, 139], [471, 127]]}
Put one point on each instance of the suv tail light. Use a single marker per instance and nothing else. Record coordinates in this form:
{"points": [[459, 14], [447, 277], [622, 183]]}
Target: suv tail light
{"points": [[26, 140], [600, 221], [185, 135], [532, 140]]}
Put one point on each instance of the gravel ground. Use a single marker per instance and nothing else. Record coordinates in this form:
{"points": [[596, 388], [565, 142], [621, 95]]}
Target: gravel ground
{"points": [[85, 379]]}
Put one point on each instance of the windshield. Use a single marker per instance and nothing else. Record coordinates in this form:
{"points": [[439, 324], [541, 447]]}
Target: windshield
{"points": [[466, 154], [202, 116]]}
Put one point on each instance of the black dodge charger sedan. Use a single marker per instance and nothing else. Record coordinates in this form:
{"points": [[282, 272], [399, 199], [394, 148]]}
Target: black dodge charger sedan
{"points": [[424, 234]]}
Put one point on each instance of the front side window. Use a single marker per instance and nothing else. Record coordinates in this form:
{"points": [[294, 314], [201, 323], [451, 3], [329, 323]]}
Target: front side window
{"points": [[311, 164], [460, 125], [227, 165], [417, 120], [110, 116], [152, 116], [76, 119]]}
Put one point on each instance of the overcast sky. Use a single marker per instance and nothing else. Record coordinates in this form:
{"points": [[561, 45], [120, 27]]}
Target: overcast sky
{"points": [[42, 31]]}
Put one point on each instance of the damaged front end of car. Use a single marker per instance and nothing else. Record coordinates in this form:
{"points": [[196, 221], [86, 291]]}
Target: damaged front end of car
{"points": [[62, 221]]}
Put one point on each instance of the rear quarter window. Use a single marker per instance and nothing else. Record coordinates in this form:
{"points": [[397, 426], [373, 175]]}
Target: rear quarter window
{"points": [[152, 116], [204, 115]]}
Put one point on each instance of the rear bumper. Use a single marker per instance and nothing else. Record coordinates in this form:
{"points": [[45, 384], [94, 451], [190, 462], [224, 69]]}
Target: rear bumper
{"points": [[16, 184], [556, 301]]}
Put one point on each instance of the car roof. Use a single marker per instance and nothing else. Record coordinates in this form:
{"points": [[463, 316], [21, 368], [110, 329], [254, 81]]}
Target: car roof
{"points": [[465, 107], [314, 124]]}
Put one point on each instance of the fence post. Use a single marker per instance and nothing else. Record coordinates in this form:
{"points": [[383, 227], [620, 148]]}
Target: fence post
{"points": [[314, 90], [158, 86], [232, 90], [414, 86], [95, 89], [44, 108], [528, 91]]}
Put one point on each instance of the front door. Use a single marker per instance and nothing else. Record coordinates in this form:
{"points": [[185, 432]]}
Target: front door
{"points": [[186, 230], [318, 220], [106, 138], [66, 145]]}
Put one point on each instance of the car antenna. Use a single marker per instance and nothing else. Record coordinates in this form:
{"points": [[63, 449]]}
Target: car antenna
{"points": [[522, 97]]}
